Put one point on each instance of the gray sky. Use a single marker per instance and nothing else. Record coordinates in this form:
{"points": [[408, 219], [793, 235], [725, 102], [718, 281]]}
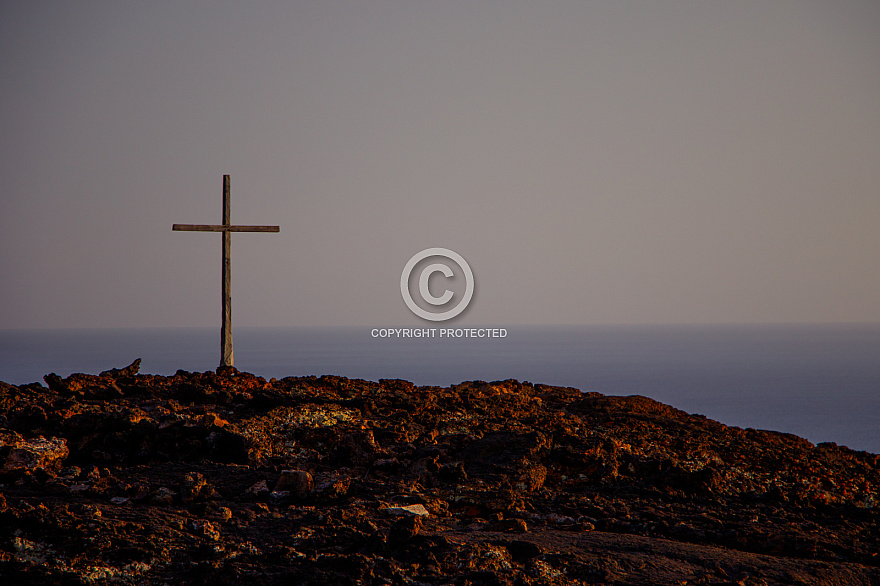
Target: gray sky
{"points": [[594, 162]]}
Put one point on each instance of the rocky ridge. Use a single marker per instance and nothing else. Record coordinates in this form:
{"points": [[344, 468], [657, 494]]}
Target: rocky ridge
{"points": [[227, 478]]}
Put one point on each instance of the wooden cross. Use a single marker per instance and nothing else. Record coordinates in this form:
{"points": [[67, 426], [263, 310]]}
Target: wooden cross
{"points": [[226, 356]]}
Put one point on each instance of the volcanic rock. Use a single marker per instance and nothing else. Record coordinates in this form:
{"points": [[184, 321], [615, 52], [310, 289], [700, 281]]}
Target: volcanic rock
{"points": [[226, 478], [35, 453], [297, 482], [407, 511]]}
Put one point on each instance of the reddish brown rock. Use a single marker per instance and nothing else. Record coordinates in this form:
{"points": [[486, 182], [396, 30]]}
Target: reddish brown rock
{"points": [[403, 530], [129, 478], [37, 453], [297, 482]]}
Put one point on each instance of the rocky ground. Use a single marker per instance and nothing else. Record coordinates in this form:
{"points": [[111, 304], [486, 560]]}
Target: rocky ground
{"points": [[226, 478]]}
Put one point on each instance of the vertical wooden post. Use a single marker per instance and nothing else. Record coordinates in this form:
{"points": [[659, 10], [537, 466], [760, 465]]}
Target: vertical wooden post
{"points": [[226, 356]]}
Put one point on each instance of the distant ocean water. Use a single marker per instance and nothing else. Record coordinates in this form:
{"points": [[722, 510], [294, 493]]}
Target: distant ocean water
{"points": [[821, 382]]}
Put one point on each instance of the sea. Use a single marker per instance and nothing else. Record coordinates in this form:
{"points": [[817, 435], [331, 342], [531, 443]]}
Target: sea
{"points": [[817, 381]]}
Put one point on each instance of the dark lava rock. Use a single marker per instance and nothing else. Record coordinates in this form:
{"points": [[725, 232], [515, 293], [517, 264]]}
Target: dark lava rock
{"points": [[226, 478], [403, 530]]}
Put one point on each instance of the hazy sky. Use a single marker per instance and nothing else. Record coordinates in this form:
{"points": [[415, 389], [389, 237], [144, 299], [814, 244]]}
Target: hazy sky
{"points": [[594, 162]]}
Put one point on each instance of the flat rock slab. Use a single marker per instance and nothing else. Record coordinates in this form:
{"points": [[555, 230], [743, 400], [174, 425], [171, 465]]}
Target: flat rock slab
{"points": [[407, 511], [633, 559]]}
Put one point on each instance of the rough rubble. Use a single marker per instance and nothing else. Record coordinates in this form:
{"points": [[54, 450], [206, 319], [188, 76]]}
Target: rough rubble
{"points": [[226, 478]]}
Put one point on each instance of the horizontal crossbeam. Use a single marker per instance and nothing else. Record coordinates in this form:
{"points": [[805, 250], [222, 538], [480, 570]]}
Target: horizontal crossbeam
{"points": [[222, 228]]}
